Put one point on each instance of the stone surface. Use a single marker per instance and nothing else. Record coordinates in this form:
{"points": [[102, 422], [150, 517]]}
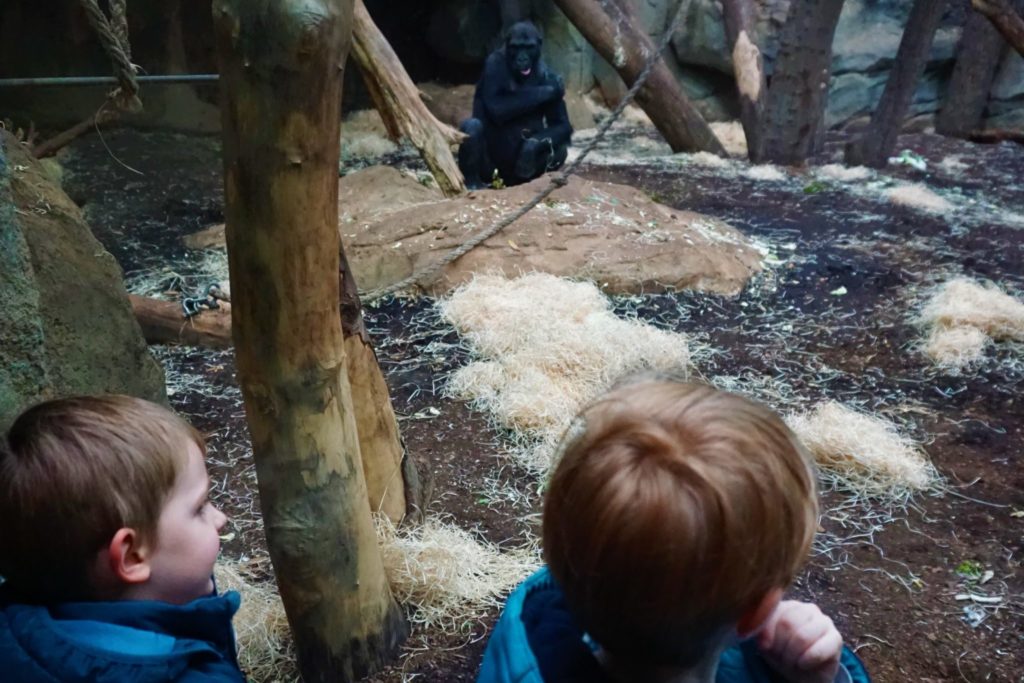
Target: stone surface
{"points": [[612, 234], [66, 326]]}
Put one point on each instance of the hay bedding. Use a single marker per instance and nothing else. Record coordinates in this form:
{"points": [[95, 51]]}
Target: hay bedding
{"points": [[547, 346], [863, 454], [963, 317]]}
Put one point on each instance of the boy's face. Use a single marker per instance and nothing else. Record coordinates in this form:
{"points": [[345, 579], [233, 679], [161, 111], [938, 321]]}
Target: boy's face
{"points": [[187, 537]]}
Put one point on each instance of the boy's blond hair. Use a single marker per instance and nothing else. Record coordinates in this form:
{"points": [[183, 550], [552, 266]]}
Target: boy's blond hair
{"points": [[675, 509], [72, 472]]}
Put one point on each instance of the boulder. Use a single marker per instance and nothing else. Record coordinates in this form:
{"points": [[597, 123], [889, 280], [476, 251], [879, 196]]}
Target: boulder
{"points": [[612, 234], [66, 326]]}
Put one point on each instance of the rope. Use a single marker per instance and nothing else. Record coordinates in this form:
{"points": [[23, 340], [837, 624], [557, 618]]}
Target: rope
{"points": [[113, 35], [432, 271]]}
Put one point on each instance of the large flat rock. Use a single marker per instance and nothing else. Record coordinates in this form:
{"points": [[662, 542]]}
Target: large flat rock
{"points": [[612, 234]]}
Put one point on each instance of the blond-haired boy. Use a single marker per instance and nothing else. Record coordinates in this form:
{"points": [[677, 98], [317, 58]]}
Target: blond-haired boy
{"points": [[673, 523], [107, 548]]}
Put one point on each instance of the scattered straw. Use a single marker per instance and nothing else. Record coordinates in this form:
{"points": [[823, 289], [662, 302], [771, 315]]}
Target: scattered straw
{"points": [[953, 164], [549, 346], [765, 172], [732, 137], [962, 302], [842, 173], [918, 196], [707, 159], [446, 576], [956, 347], [862, 453], [364, 136], [265, 649], [962, 316]]}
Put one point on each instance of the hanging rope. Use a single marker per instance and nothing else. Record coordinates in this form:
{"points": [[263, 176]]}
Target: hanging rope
{"points": [[428, 273], [113, 35]]}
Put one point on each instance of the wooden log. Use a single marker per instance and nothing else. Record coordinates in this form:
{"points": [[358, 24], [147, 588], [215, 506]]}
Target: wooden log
{"points": [[878, 140], [164, 322], [748, 67], [392, 482], [1006, 20], [795, 107], [627, 49], [978, 56], [280, 65], [60, 140], [398, 101]]}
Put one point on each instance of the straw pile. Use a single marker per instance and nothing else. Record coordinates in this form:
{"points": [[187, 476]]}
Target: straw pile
{"points": [[732, 137], [765, 172], [446, 576], [548, 346], [264, 642], [863, 454], [842, 173], [364, 136], [964, 317], [918, 196], [708, 159]]}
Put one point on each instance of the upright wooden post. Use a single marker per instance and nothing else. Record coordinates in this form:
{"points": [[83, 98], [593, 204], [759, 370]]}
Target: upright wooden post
{"points": [[281, 64], [978, 56], [795, 110], [748, 66], [878, 140]]}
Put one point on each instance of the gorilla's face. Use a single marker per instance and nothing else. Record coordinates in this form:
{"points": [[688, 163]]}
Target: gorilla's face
{"points": [[522, 50]]}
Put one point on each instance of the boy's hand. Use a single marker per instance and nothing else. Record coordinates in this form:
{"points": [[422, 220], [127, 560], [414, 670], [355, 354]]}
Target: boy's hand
{"points": [[801, 643]]}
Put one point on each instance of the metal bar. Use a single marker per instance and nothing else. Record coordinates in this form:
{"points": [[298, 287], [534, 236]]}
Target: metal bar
{"points": [[105, 80]]}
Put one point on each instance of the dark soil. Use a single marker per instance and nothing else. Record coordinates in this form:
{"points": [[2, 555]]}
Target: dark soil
{"points": [[892, 591]]}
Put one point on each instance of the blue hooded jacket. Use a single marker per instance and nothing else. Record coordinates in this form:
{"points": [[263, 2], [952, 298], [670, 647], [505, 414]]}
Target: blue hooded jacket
{"points": [[536, 640], [130, 641]]}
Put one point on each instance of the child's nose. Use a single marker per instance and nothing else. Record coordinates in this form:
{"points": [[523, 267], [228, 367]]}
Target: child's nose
{"points": [[220, 519]]}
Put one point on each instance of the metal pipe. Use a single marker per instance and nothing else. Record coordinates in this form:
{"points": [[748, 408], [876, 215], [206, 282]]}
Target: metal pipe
{"points": [[105, 80]]}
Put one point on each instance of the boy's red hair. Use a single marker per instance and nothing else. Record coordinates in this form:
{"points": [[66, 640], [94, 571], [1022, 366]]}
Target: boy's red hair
{"points": [[676, 509]]}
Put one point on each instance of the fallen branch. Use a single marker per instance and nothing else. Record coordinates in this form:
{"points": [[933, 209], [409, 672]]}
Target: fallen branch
{"points": [[61, 140], [164, 322]]}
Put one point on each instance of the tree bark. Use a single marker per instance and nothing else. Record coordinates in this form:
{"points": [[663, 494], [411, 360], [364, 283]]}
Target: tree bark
{"points": [[795, 106], [627, 49], [398, 101], [879, 139], [281, 65], [164, 322], [977, 60], [392, 482], [1006, 20], [748, 66]]}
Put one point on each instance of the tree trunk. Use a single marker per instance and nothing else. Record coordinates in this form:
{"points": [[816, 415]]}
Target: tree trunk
{"points": [[281, 65], [164, 322], [879, 139], [398, 101], [1006, 20], [392, 482], [795, 106], [625, 47], [748, 66], [977, 60]]}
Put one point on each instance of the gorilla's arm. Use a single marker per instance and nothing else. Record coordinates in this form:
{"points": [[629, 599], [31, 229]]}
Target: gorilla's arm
{"points": [[503, 103]]}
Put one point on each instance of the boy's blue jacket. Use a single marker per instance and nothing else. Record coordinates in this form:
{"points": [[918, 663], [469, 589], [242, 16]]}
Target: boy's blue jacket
{"points": [[130, 641], [537, 641]]}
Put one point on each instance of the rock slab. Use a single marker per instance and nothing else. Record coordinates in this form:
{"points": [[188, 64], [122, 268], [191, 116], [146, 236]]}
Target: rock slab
{"points": [[66, 326]]}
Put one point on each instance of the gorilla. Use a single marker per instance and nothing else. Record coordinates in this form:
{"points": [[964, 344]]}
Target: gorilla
{"points": [[520, 126]]}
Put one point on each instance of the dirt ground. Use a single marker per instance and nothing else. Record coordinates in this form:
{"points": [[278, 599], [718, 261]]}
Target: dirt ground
{"points": [[830, 319]]}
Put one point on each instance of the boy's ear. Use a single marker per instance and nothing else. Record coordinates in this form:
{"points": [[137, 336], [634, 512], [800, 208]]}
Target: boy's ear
{"points": [[128, 557], [752, 620]]}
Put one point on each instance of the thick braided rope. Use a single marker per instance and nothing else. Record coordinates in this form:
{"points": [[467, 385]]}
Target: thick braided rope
{"points": [[114, 39], [430, 272]]}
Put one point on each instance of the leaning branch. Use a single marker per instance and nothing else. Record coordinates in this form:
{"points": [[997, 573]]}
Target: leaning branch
{"points": [[1006, 20]]}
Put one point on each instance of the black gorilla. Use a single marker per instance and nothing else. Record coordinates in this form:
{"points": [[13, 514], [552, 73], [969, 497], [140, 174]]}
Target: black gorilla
{"points": [[520, 125]]}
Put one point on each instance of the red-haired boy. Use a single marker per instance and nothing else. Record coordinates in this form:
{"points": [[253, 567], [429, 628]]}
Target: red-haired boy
{"points": [[674, 521]]}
